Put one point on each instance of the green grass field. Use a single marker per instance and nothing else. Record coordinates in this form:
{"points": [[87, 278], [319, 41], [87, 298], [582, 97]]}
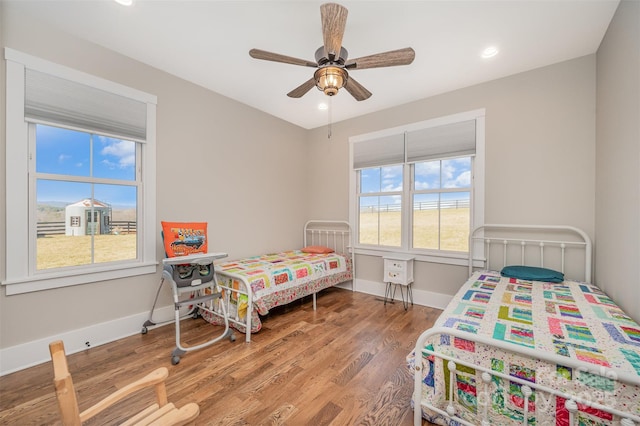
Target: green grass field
{"points": [[454, 226], [57, 251]]}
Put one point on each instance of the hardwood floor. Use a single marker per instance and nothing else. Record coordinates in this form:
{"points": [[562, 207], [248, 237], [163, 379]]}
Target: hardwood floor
{"points": [[343, 364]]}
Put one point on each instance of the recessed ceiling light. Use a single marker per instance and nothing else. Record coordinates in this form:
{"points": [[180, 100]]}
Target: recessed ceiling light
{"points": [[489, 52], [322, 106], [124, 2]]}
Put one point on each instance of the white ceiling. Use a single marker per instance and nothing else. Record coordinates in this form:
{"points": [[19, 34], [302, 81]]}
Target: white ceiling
{"points": [[207, 42]]}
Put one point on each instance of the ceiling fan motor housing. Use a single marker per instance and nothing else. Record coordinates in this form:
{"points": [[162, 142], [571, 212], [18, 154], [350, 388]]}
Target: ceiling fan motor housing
{"points": [[322, 57]]}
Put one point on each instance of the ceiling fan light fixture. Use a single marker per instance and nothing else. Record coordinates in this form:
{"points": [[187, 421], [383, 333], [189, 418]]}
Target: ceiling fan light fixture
{"points": [[330, 79]]}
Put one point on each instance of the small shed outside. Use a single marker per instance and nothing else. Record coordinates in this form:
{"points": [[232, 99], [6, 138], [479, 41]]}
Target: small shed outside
{"points": [[82, 218]]}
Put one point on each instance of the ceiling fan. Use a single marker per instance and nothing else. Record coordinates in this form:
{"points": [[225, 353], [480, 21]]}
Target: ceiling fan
{"points": [[331, 59]]}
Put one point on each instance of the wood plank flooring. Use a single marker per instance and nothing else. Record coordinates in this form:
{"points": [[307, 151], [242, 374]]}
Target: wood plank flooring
{"points": [[343, 364]]}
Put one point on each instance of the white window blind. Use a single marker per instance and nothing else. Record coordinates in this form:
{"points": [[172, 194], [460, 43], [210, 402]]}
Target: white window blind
{"points": [[79, 101], [378, 152], [54, 100], [450, 140]]}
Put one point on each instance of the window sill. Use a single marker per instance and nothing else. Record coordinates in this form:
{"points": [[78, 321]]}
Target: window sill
{"points": [[460, 259], [51, 281]]}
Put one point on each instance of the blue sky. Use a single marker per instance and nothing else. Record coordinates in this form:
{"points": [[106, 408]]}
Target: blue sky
{"points": [[68, 152], [452, 173]]}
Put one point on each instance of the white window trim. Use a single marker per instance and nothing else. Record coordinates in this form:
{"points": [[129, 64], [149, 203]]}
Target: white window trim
{"points": [[17, 276], [477, 191]]}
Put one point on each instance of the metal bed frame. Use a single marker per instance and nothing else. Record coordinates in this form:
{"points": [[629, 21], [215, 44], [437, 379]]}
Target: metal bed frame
{"points": [[480, 241], [335, 234]]}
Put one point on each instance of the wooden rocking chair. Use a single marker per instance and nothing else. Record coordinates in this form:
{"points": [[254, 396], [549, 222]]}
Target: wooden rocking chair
{"points": [[160, 413]]}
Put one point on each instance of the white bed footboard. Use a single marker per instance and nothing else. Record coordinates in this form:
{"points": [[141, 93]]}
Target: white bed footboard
{"points": [[569, 347], [231, 292], [487, 375]]}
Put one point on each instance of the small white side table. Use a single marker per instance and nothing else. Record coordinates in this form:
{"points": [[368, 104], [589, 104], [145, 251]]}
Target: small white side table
{"points": [[398, 271]]}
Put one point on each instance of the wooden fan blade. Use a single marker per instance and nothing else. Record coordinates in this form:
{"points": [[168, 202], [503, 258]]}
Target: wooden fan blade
{"points": [[276, 57], [299, 91], [334, 21], [387, 59], [357, 90]]}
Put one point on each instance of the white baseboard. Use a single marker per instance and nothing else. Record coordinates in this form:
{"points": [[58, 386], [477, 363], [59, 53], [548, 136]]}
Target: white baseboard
{"points": [[420, 297], [348, 285], [36, 352]]}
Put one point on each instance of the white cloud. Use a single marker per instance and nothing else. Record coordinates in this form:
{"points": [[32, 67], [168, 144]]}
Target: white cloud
{"points": [[431, 168], [420, 184], [63, 157], [392, 178], [448, 170], [456, 173], [391, 186], [394, 171], [125, 151], [462, 180], [109, 164], [427, 175]]}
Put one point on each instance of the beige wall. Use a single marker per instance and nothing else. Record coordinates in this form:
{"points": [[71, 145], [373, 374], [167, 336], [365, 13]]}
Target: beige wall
{"points": [[540, 155], [540, 167], [618, 160], [218, 161]]}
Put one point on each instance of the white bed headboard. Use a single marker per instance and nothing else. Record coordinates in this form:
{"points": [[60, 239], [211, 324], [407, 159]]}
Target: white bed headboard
{"points": [[563, 248], [335, 234]]}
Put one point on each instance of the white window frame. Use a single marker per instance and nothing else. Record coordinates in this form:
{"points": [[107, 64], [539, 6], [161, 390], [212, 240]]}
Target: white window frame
{"points": [[20, 274], [435, 191], [477, 189], [359, 194]]}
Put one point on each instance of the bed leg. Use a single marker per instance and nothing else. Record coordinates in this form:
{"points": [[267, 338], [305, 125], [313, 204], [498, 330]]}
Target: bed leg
{"points": [[451, 410], [247, 337], [572, 407], [417, 390], [486, 378], [314, 301], [526, 393]]}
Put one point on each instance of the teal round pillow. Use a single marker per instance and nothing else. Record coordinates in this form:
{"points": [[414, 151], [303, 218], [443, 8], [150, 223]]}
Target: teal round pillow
{"points": [[533, 273]]}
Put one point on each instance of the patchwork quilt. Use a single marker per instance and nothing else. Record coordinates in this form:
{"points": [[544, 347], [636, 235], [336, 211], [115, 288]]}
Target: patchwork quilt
{"points": [[570, 319], [277, 279]]}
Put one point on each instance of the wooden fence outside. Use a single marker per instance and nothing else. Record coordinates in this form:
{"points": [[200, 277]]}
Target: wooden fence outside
{"points": [[423, 205], [124, 226], [58, 228]]}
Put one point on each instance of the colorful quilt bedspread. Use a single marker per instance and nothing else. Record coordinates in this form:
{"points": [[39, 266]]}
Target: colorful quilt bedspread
{"points": [[280, 278], [570, 319]]}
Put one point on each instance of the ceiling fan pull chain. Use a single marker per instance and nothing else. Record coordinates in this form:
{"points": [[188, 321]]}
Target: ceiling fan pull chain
{"points": [[329, 117]]}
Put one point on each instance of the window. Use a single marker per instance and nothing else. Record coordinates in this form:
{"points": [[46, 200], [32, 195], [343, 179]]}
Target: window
{"points": [[380, 198], [81, 157], [80, 174], [419, 188], [441, 217]]}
